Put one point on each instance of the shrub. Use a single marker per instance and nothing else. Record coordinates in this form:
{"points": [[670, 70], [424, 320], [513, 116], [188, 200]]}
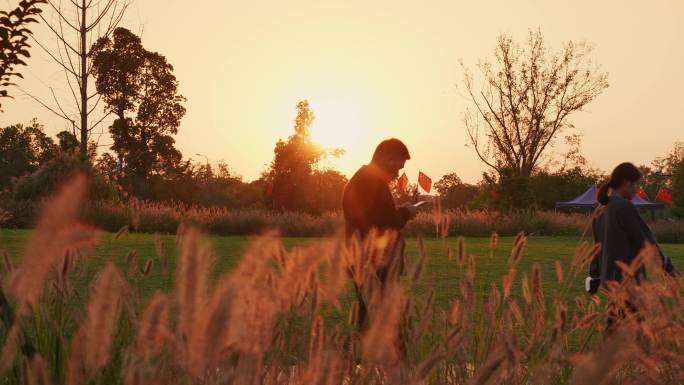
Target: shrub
{"points": [[668, 231], [482, 223], [152, 217], [54, 172]]}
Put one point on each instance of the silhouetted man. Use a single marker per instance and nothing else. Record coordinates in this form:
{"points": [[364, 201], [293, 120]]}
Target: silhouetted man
{"points": [[368, 205], [367, 201]]}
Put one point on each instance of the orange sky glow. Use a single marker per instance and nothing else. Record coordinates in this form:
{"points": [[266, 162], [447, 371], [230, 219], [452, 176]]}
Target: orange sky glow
{"points": [[378, 69]]}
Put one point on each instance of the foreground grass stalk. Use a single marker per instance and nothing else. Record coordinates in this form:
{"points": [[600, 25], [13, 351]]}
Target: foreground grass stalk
{"points": [[287, 315]]}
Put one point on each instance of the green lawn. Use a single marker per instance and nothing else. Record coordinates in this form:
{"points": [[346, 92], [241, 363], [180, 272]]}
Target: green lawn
{"points": [[440, 274]]}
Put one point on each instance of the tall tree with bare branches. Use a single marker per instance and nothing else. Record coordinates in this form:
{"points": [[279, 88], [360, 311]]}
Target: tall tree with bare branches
{"points": [[76, 25], [525, 99]]}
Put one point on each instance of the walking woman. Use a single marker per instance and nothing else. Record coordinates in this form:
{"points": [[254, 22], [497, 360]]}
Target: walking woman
{"points": [[620, 229]]}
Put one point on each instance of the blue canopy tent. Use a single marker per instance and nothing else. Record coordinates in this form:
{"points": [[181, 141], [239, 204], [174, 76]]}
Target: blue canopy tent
{"points": [[588, 200]]}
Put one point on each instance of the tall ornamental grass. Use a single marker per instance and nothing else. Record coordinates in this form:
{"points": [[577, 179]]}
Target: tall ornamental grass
{"points": [[287, 317]]}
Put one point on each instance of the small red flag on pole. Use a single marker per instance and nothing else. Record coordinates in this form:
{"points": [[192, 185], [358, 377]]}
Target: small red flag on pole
{"points": [[402, 183], [642, 194], [493, 194], [664, 196], [424, 181], [269, 189]]}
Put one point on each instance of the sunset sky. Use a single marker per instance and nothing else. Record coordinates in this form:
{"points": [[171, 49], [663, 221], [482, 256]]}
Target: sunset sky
{"points": [[377, 69]]}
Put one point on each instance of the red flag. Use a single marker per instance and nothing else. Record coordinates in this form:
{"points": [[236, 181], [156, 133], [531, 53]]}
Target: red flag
{"points": [[402, 183], [269, 189], [642, 194], [664, 196], [493, 194], [424, 181]]}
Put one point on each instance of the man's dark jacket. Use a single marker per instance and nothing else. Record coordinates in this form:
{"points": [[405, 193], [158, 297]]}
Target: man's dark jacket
{"points": [[368, 203]]}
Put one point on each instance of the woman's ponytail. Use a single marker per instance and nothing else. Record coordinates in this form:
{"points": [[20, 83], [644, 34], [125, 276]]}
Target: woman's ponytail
{"points": [[602, 193], [624, 172]]}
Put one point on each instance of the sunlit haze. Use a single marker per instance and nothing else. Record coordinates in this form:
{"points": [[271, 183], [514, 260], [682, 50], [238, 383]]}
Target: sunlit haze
{"points": [[378, 69]]}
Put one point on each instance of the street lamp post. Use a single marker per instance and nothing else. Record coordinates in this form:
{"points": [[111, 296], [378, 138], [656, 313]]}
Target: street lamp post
{"points": [[205, 157], [207, 160]]}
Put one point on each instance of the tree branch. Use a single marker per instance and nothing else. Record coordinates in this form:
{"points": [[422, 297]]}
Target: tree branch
{"points": [[494, 131], [96, 103], [101, 15], [100, 120], [514, 109], [57, 101], [46, 106], [53, 57], [57, 34], [71, 88], [66, 50], [474, 141], [60, 15]]}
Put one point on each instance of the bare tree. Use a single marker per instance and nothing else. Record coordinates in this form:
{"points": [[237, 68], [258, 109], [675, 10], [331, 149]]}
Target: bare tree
{"points": [[525, 99], [76, 26]]}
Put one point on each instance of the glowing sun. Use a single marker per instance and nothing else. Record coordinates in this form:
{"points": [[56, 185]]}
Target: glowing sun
{"points": [[338, 124]]}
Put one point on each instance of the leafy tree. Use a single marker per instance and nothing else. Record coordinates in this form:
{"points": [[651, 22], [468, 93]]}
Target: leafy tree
{"points": [[670, 162], [51, 174], [202, 184], [22, 150], [661, 172], [483, 199], [68, 142], [140, 89], [547, 188], [14, 44], [514, 192], [219, 187], [293, 165], [663, 168], [447, 183], [668, 172], [108, 166], [454, 193], [525, 100], [678, 189], [324, 192]]}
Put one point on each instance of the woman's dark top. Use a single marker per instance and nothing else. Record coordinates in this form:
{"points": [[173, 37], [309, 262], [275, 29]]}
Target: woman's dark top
{"points": [[368, 203], [622, 233], [597, 228]]}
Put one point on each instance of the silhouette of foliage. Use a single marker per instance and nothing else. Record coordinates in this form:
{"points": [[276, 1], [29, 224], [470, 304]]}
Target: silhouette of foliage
{"points": [[455, 194], [678, 189], [14, 45], [47, 179], [551, 187], [525, 99], [22, 150], [67, 142], [140, 89], [293, 175]]}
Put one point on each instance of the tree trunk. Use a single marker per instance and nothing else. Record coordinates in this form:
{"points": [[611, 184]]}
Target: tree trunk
{"points": [[84, 84]]}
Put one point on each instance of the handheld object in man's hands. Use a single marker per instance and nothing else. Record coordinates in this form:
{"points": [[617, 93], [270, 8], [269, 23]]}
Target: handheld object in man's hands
{"points": [[418, 204], [591, 285]]}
